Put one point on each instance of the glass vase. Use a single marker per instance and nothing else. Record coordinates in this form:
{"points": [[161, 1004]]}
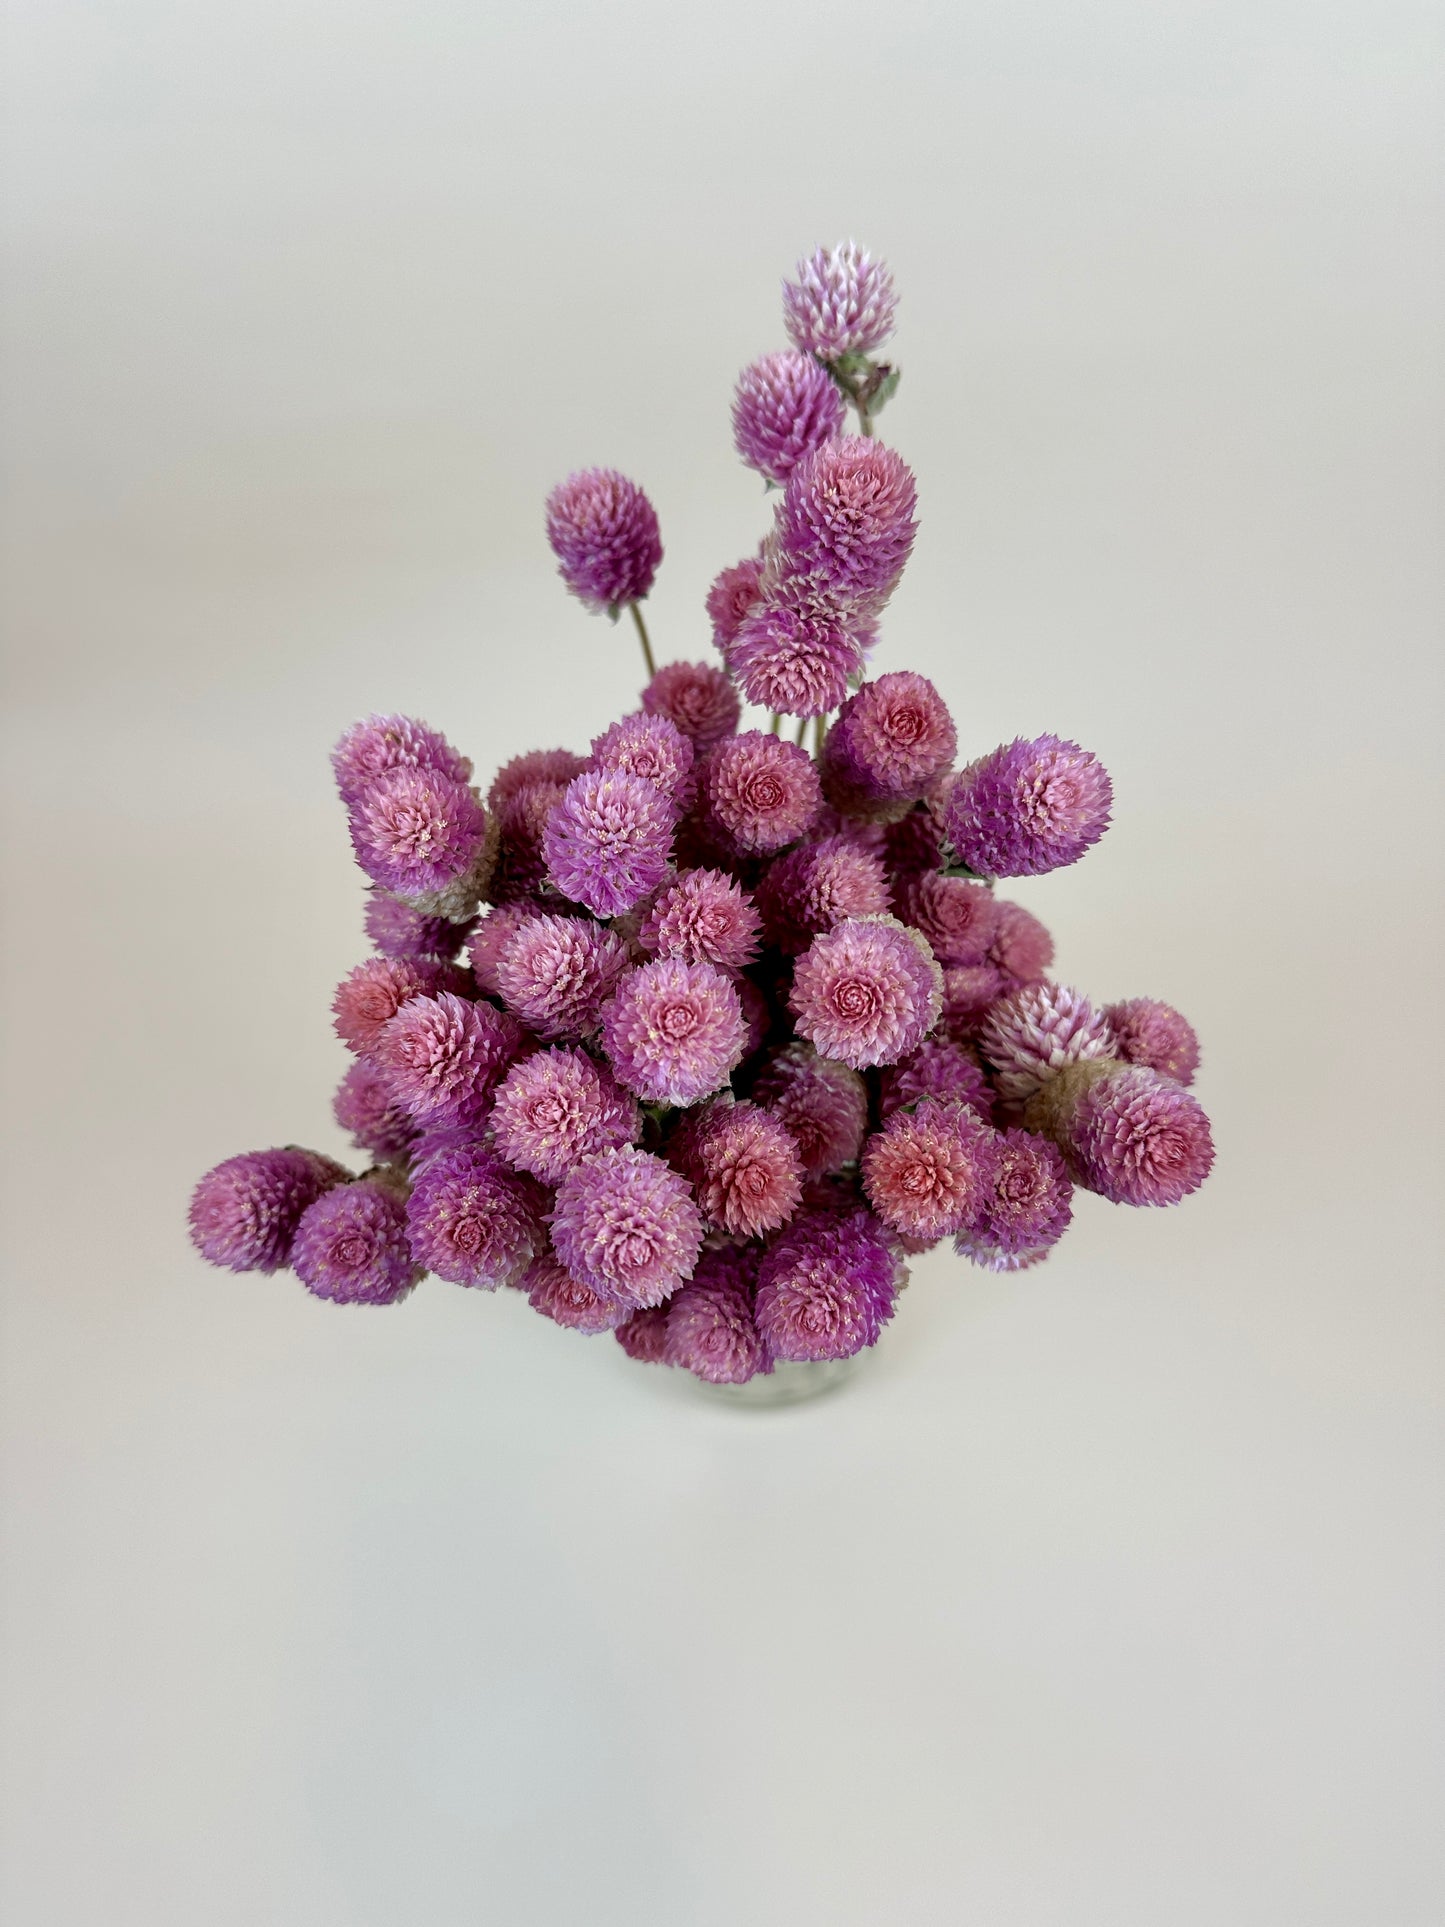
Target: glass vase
{"points": [[785, 1384]]}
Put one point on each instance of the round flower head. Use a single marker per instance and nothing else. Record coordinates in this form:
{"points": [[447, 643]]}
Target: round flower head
{"points": [[351, 1245], [416, 831], [969, 993], [443, 1056], [794, 660], [941, 1068], [826, 1286], [399, 931], [643, 1336], [379, 744], [608, 841], [674, 1030], [553, 766], [1032, 1035], [650, 747], [925, 1171], [842, 303], [1021, 948], [810, 889], [625, 1223], [823, 1104], [704, 917], [992, 1257], [847, 517], [1155, 1036], [735, 593], [710, 1327], [890, 742], [372, 994], [365, 1108], [743, 1165], [552, 1290], [473, 1221], [604, 534], [867, 991], [699, 699], [244, 1213], [784, 406], [556, 973], [558, 1107], [1027, 1198], [1028, 807], [957, 919], [912, 844], [761, 793], [518, 824], [1136, 1138], [493, 933]]}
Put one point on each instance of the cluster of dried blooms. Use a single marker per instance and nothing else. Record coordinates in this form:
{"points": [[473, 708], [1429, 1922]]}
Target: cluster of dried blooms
{"points": [[739, 1028]]}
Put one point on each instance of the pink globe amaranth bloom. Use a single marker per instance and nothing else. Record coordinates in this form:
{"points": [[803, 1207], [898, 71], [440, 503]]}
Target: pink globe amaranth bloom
{"points": [[743, 1165], [1021, 948], [867, 991], [379, 744], [626, 1224], [558, 1107], [1028, 807], [796, 660], [351, 1245], [474, 1221], [1129, 1134], [842, 303], [552, 1290], [604, 534], [956, 919], [784, 406], [817, 885], [912, 844], [1027, 1198], [1155, 1036], [710, 1327], [992, 1257], [705, 916], [925, 1171], [365, 1108], [608, 842], [650, 747], [760, 792], [1036, 1032], [699, 699], [674, 1030], [372, 994], [397, 930], [846, 517], [891, 740], [443, 1056], [643, 1336], [556, 767], [734, 595], [823, 1104], [941, 1067], [245, 1211], [518, 824], [493, 933], [970, 992], [556, 974], [826, 1286], [417, 832]]}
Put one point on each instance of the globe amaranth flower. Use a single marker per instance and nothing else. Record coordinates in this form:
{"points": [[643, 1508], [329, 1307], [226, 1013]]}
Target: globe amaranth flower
{"points": [[556, 974], [823, 1104], [941, 1067], [784, 406], [473, 1220], [1130, 1135], [245, 1211], [371, 994], [1027, 1198], [650, 747], [956, 919], [552, 1290], [705, 916], [417, 832], [867, 991], [1154, 1035], [970, 992], [517, 826], [553, 1109], [1021, 947], [924, 1172], [609, 840], [1028, 807], [1036, 1032], [643, 1336], [991, 1257], [826, 1286], [912, 844], [842, 303], [674, 1030], [817, 885], [847, 518], [365, 1108], [379, 744], [604, 534], [710, 1328], [397, 930], [493, 933], [794, 657], [443, 1056], [743, 1165], [351, 1245], [556, 767], [698, 698], [760, 792], [626, 1224], [734, 594], [891, 740]]}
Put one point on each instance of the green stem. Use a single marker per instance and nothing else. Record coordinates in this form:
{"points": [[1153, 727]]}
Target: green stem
{"points": [[802, 730], [636, 609], [776, 724]]}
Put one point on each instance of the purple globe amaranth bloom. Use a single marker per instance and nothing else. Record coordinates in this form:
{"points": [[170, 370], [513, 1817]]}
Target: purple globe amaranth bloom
{"points": [[925, 1172], [846, 517], [826, 1286], [422, 836], [473, 1220], [379, 744], [890, 742], [760, 793], [867, 992], [1127, 1133], [604, 533], [557, 973], [643, 1336], [940, 1067], [609, 840], [698, 698], [674, 1030], [794, 659], [824, 1105], [1027, 1198], [443, 1056], [397, 930], [493, 933], [245, 1211], [626, 1224], [809, 889], [991, 1257], [842, 303], [784, 406], [733, 596], [517, 826], [1028, 807], [1154, 1035], [650, 747], [969, 993], [556, 767], [371, 994], [912, 843], [558, 1107], [955, 918], [710, 1327], [552, 1290], [351, 1245], [365, 1107], [1021, 947], [705, 916], [1032, 1035], [743, 1165]]}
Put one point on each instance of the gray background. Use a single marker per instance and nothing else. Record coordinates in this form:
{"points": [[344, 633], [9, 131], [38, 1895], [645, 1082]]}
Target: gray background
{"points": [[1109, 1595]]}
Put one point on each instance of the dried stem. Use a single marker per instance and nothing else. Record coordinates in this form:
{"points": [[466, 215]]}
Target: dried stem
{"points": [[636, 609]]}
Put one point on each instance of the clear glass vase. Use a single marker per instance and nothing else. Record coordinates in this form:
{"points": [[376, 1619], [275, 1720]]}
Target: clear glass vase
{"points": [[786, 1384]]}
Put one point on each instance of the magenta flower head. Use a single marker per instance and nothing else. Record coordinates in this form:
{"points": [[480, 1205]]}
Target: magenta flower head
{"points": [[650, 747], [372, 994], [743, 1165], [604, 534], [912, 843], [625, 1223], [558, 1107], [1155, 1036], [891, 741], [784, 406], [942, 1068], [734, 594], [443, 1056], [517, 826], [761, 793], [957, 919], [379, 744], [365, 1108], [969, 993], [1028, 807], [674, 1030], [704, 917], [710, 1328], [556, 973], [418, 833], [643, 1336], [826, 1286], [1129, 1134], [699, 699], [847, 518], [608, 841], [552, 1290], [399, 931], [817, 885], [842, 303], [795, 658], [1021, 948], [823, 1104], [1037, 1032], [1027, 1198], [925, 1171], [473, 1221], [493, 933], [991, 1257], [351, 1245], [867, 991], [555, 767], [244, 1213]]}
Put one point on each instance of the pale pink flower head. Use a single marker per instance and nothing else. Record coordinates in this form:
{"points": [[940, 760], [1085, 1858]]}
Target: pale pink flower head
{"points": [[710, 1328], [1137, 1138], [416, 831], [372, 994], [847, 517], [969, 993], [743, 1164], [650, 747], [1032, 1035], [443, 1056], [842, 303], [493, 933], [867, 992], [1021, 948], [704, 916], [941, 1067], [794, 658], [557, 1107], [379, 744], [552, 1290], [551, 766], [609, 840], [604, 534], [925, 1171], [366, 1109], [1027, 1198], [734, 594], [626, 1224], [891, 741], [819, 884], [823, 1104], [1155, 1036], [397, 930], [826, 1286], [556, 973], [956, 918], [244, 1213], [351, 1245], [474, 1221], [1028, 807], [698, 698], [784, 406], [674, 1030], [761, 793], [643, 1336]]}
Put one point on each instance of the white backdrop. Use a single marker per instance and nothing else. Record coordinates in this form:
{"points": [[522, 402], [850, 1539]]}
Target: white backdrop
{"points": [[1110, 1595]]}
